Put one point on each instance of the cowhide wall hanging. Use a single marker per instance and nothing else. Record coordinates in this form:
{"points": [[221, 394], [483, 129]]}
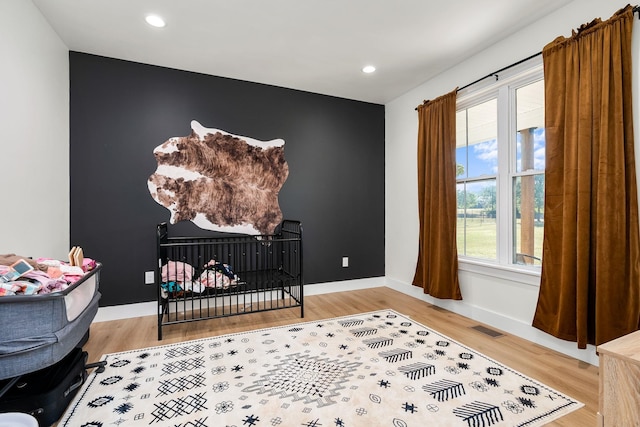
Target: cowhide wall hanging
{"points": [[220, 181]]}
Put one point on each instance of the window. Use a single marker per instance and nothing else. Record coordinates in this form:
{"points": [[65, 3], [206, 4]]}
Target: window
{"points": [[500, 156], [477, 168]]}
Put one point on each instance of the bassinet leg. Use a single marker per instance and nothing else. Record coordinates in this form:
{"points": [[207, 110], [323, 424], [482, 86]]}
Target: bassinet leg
{"points": [[100, 366], [10, 384]]}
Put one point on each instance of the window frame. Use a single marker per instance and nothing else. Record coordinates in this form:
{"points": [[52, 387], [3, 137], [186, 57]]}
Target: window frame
{"points": [[503, 89]]}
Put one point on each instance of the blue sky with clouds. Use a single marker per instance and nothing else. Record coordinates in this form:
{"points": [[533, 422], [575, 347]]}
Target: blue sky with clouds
{"points": [[483, 156]]}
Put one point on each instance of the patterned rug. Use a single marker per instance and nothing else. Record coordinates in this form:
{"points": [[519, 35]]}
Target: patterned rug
{"points": [[371, 369]]}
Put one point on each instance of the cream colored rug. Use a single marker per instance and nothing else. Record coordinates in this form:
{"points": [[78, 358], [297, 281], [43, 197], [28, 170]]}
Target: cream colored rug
{"points": [[372, 369]]}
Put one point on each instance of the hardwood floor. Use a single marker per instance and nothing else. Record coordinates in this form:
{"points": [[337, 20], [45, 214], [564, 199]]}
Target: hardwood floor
{"points": [[565, 374]]}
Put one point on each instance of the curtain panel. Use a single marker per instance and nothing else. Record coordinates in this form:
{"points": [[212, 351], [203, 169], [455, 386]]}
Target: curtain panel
{"points": [[437, 266], [590, 283]]}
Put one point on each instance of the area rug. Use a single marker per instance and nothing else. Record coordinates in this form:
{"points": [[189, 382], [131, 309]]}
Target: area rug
{"points": [[373, 369]]}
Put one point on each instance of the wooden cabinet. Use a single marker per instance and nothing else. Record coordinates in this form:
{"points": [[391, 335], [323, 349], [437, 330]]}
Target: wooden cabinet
{"points": [[619, 403]]}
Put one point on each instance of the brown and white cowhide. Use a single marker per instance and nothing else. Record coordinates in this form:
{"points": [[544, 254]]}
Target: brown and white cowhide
{"points": [[220, 181]]}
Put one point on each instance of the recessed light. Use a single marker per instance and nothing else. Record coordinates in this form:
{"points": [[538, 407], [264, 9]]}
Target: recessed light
{"points": [[155, 21], [369, 69]]}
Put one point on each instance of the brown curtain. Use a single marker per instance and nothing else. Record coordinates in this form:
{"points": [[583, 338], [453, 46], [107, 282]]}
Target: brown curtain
{"points": [[437, 267], [590, 284]]}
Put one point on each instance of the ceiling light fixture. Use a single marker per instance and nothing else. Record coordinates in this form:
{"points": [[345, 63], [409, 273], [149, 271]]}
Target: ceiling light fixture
{"points": [[369, 69], [155, 20]]}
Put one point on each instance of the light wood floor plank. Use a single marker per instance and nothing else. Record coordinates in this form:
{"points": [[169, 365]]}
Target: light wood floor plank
{"points": [[565, 374]]}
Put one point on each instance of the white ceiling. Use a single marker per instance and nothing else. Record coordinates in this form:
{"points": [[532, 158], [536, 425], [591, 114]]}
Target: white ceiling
{"points": [[313, 45]]}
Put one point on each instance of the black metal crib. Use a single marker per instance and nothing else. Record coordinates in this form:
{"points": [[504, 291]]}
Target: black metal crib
{"points": [[202, 278]]}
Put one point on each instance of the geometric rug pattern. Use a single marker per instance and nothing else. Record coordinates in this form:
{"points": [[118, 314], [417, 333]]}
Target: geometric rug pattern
{"points": [[372, 369]]}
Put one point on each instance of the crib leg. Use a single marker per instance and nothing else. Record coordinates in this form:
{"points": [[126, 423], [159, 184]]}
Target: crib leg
{"points": [[164, 308]]}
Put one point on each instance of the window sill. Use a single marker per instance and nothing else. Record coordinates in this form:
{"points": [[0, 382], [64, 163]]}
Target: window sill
{"points": [[528, 276]]}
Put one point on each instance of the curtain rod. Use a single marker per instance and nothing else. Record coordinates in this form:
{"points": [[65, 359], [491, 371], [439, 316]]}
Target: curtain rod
{"points": [[636, 9], [494, 74]]}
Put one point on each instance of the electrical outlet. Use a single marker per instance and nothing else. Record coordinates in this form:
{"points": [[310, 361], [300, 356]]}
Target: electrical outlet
{"points": [[149, 278], [345, 261]]}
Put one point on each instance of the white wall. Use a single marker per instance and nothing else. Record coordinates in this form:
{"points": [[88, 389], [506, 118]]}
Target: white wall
{"points": [[507, 302], [34, 129]]}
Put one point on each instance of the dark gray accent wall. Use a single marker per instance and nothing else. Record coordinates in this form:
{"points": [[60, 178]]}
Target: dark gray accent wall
{"points": [[120, 111]]}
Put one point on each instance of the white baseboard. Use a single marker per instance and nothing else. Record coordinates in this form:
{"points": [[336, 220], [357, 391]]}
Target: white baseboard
{"points": [[345, 285], [127, 311], [507, 324]]}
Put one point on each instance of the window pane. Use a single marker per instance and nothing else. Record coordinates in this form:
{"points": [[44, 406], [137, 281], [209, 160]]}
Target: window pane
{"points": [[528, 196], [477, 232], [482, 155], [476, 140], [530, 138]]}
